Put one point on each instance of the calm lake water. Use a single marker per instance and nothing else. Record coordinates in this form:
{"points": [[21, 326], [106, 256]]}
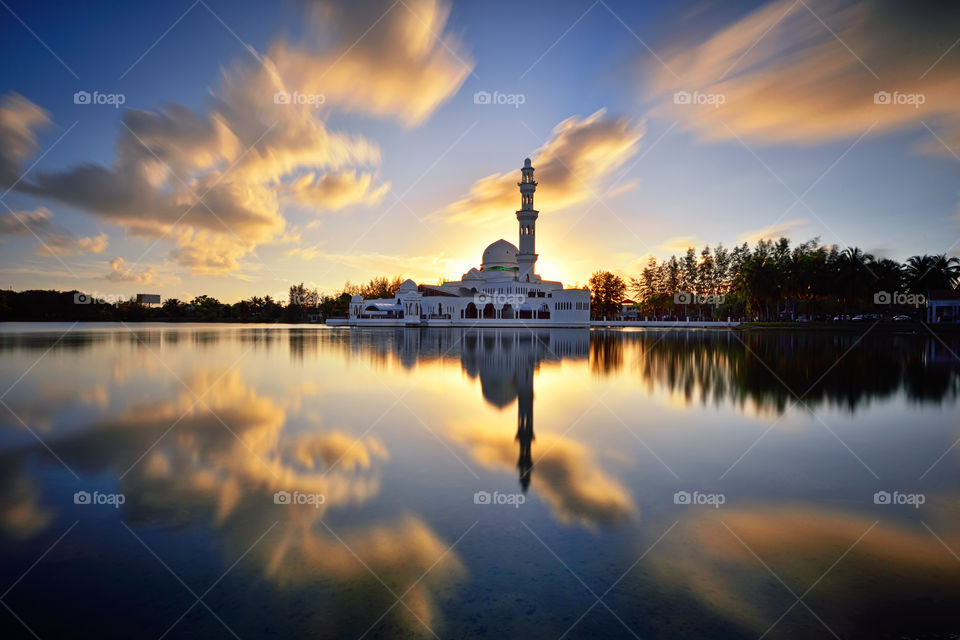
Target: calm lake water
{"points": [[221, 481]]}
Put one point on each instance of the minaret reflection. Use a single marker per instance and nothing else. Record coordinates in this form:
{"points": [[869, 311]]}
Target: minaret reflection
{"points": [[525, 432], [505, 361]]}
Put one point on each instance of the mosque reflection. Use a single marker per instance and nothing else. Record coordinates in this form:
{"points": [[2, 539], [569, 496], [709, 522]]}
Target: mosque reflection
{"points": [[505, 361]]}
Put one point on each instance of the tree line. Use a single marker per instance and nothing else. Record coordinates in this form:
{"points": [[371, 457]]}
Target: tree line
{"points": [[302, 305], [775, 280]]}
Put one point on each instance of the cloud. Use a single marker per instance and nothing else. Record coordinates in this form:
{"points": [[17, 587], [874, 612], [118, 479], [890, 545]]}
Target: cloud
{"points": [[54, 239], [213, 180], [119, 272], [787, 79], [334, 191], [573, 166], [772, 232], [18, 120], [680, 244], [390, 59], [21, 223]]}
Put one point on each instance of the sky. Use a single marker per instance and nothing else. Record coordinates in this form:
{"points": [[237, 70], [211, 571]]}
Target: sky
{"points": [[235, 148]]}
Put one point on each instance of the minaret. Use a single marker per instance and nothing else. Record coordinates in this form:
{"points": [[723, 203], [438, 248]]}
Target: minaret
{"points": [[527, 217]]}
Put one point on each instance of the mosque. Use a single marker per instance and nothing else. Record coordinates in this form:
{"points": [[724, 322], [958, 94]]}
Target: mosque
{"points": [[504, 292]]}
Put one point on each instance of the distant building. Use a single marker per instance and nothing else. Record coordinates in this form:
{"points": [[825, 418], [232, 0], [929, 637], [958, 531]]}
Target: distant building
{"points": [[504, 291], [148, 298], [628, 310], [943, 305]]}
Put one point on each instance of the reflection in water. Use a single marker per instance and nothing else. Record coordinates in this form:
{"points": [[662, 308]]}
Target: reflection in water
{"points": [[768, 369], [565, 473], [861, 576], [242, 412], [505, 361]]}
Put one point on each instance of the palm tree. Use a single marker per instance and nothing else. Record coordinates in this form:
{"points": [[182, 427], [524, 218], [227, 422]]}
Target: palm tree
{"points": [[853, 270], [925, 273]]}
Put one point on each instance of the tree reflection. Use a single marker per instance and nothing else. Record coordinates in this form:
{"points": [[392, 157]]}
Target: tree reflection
{"points": [[771, 369]]}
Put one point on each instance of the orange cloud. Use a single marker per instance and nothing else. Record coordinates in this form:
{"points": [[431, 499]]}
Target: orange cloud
{"points": [[784, 77], [573, 166], [773, 232], [333, 191], [119, 272]]}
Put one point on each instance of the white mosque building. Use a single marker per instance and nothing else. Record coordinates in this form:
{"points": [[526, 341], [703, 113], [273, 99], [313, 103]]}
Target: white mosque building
{"points": [[505, 291]]}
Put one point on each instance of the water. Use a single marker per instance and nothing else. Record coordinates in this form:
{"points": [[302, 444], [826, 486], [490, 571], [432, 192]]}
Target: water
{"points": [[581, 445]]}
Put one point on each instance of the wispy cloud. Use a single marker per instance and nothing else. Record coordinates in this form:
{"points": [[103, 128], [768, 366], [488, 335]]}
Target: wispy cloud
{"points": [[807, 73], [772, 232], [574, 165], [52, 239]]}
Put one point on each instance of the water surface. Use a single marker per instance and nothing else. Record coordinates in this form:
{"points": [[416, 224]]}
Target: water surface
{"points": [[476, 483]]}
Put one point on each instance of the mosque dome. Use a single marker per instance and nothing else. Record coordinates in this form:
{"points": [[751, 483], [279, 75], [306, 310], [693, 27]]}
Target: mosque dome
{"points": [[408, 285], [501, 255]]}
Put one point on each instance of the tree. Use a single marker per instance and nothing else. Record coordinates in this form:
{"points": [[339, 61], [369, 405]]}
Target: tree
{"points": [[172, 307], [925, 273], [377, 287], [606, 293], [854, 276]]}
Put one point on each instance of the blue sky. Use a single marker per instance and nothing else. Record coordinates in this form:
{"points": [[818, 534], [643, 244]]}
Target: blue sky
{"points": [[399, 171]]}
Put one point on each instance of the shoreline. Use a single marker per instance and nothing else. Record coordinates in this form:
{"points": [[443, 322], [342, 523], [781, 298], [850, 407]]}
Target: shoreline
{"points": [[847, 327]]}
